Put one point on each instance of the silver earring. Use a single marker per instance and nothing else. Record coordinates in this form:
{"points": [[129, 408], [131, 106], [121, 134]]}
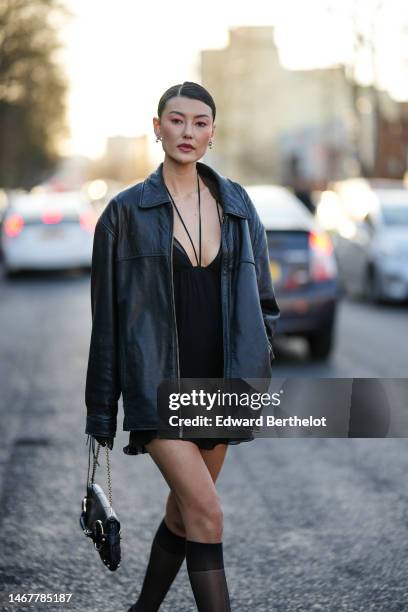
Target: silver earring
{"points": [[210, 144], [158, 138]]}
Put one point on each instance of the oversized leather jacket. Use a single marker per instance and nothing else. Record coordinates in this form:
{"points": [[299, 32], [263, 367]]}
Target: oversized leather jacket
{"points": [[134, 343]]}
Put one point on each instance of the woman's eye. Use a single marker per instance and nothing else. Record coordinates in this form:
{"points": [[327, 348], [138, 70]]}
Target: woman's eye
{"points": [[202, 124], [176, 120]]}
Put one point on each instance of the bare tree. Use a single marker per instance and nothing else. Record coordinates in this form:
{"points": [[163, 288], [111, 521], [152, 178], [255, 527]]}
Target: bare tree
{"points": [[32, 90]]}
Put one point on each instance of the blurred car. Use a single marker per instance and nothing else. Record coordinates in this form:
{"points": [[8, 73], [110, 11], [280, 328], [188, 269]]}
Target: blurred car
{"points": [[303, 267], [46, 230], [371, 237]]}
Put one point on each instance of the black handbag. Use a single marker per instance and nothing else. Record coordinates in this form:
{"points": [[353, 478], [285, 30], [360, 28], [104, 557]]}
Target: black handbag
{"points": [[98, 519]]}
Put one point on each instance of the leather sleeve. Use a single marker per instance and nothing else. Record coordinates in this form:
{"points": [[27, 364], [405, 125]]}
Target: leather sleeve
{"points": [[102, 380], [269, 305]]}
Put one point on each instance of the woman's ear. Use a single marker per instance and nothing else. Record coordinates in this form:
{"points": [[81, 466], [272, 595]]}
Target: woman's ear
{"points": [[156, 126]]}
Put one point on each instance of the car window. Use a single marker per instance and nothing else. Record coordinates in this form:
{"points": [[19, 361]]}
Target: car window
{"points": [[283, 205]]}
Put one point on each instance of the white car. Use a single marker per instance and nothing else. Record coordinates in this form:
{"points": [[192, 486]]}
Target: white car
{"points": [[47, 231]]}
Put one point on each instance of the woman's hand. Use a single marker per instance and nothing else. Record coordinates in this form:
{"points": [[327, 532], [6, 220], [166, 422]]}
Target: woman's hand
{"points": [[104, 441]]}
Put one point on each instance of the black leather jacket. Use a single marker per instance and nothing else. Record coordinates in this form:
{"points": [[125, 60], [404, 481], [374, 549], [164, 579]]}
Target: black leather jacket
{"points": [[134, 336]]}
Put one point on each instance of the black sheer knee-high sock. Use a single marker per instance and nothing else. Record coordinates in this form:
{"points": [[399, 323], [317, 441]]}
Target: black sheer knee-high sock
{"points": [[205, 566], [166, 556]]}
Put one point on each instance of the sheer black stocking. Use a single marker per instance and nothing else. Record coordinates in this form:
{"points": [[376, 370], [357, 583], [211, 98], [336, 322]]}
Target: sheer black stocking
{"points": [[166, 556], [205, 566]]}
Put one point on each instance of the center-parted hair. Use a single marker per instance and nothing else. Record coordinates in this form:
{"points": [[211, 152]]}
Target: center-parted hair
{"points": [[187, 89]]}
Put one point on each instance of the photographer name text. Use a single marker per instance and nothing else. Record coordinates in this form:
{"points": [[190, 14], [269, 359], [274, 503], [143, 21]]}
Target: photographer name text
{"points": [[260, 421]]}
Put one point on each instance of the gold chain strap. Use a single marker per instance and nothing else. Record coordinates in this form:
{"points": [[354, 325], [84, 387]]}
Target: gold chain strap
{"points": [[95, 463], [109, 479]]}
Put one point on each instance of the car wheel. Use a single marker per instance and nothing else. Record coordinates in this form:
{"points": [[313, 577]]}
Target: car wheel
{"points": [[321, 344], [373, 290]]}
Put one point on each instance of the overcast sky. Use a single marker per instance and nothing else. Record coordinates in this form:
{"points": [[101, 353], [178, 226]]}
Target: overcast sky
{"points": [[119, 57]]}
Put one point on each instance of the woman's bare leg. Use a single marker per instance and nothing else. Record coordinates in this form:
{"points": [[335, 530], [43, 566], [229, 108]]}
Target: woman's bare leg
{"points": [[191, 480], [214, 460], [189, 472]]}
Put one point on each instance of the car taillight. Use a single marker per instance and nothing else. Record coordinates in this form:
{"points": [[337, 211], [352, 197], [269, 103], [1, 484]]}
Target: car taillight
{"points": [[13, 225], [88, 220], [295, 279], [51, 217], [322, 262]]}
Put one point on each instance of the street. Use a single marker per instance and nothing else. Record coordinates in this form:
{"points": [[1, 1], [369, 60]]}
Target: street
{"points": [[370, 343], [310, 524]]}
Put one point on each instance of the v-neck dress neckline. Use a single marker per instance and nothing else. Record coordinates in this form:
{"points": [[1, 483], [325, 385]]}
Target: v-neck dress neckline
{"points": [[178, 244]]}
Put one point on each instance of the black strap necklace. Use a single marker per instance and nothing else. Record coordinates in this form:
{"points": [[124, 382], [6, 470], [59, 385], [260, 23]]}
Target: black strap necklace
{"points": [[199, 221]]}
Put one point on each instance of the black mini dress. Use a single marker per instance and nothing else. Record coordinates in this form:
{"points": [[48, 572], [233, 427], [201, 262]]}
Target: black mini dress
{"points": [[197, 294]]}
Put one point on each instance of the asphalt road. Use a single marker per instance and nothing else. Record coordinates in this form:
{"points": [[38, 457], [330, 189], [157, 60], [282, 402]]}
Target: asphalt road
{"points": [[370, 342], [310, 524]]}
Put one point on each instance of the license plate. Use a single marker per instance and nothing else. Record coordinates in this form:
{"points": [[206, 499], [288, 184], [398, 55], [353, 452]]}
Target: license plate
{"points": [[276, 271]]}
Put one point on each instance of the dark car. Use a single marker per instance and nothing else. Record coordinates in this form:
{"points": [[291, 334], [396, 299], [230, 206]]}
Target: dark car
{"points": [[303, 268]]}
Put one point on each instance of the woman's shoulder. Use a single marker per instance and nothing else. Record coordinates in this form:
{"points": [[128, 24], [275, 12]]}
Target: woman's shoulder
{"points": [[117, 205], [227, 186], [242, 195], [254, 221], [129, 194]]}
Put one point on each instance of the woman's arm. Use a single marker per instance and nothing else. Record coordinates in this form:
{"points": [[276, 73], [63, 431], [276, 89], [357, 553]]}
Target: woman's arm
{"points": [[269, 305], [102, 380]]}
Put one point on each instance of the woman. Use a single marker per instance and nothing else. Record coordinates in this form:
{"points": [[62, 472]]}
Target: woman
{"points": [[180, 288]]}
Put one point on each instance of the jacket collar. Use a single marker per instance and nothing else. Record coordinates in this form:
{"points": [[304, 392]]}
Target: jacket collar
{"points": [[154, 191]]}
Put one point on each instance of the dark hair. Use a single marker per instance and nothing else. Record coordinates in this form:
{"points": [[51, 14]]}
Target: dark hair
{"points": [[189, 90]]}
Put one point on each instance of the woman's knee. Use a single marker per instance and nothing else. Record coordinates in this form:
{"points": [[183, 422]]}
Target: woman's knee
{"points": [[205, 519]]}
